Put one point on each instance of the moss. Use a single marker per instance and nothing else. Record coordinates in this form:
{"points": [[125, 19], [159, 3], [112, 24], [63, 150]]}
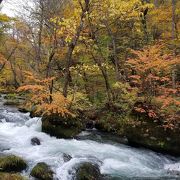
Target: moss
{"points": [[59, 131], [12, 103], [12, 164], [88, 171], [14, 99], [61, 127], [42, 171], [10, 96], [8, 176], [149, 134], [112, 122]]}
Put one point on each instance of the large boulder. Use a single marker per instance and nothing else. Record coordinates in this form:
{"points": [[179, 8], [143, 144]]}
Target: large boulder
{"points": [[42, 172], [61, 127], [107, 118], [13, 99], [149, 134], [88, 171], [12, 164]]}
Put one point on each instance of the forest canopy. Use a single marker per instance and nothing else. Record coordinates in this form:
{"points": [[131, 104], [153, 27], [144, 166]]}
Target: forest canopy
{"points": [[66, 56]]}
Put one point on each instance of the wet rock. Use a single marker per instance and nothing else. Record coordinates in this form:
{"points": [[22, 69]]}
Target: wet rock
{"points": [[9, 176], [23, 110], [12, 164], [13, 100], [35, 141], [66, 157], [34, 113], [10, 96], [156, 139], [90, 124], [42, 172], [88, 171], [11, 103], [61, 127]]}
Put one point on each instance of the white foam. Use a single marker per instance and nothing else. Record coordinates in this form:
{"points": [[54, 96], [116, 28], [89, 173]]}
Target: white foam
{"points": [[173, 167]]}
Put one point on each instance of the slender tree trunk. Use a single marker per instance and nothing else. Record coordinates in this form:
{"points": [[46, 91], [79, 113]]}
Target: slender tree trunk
{"points": [[173, 19], [98, 61], [174, 36], [105, 76], [72, 46], [174, 78], [156, 3], [115, 57], [50, 58], [85, 79], [13, 69], [144, 24], [40, 30]]}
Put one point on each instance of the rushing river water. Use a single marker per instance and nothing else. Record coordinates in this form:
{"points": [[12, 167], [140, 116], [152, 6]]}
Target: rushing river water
{"points": [[116, 160]]}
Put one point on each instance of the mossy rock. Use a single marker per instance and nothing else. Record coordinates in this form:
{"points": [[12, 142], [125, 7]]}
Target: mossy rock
{"points": [[13, 99], [8, 176], [12, 164], [111, 122], [11, 96], [34, 113], [23, 109], [12, 103], [61, 127], [150, 135], [88, 171], [42, 171]]}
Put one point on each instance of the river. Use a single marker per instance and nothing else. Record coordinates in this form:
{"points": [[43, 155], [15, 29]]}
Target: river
{"points": [[116, 160]]}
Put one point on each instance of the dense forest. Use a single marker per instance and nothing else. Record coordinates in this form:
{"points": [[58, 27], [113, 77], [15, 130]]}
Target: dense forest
{"points": [[113, 65]]}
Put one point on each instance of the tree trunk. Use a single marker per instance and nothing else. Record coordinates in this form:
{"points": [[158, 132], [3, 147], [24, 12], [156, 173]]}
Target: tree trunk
{"points": [[115, 57], [173, 19], [99, 63], [13, 69], [156, 3], [105, 76], [72, 46]]}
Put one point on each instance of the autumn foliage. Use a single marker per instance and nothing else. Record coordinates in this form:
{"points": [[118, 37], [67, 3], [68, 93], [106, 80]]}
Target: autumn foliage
{"points": [[40, 98], [153, 75], [78, 55]]}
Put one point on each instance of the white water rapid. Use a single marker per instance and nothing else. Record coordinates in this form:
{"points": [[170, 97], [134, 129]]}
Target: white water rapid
{"points": [[115, 160]]}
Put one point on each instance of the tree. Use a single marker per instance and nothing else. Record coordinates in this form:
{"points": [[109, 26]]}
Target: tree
{"points": [[41, 99], [84, 6]]}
